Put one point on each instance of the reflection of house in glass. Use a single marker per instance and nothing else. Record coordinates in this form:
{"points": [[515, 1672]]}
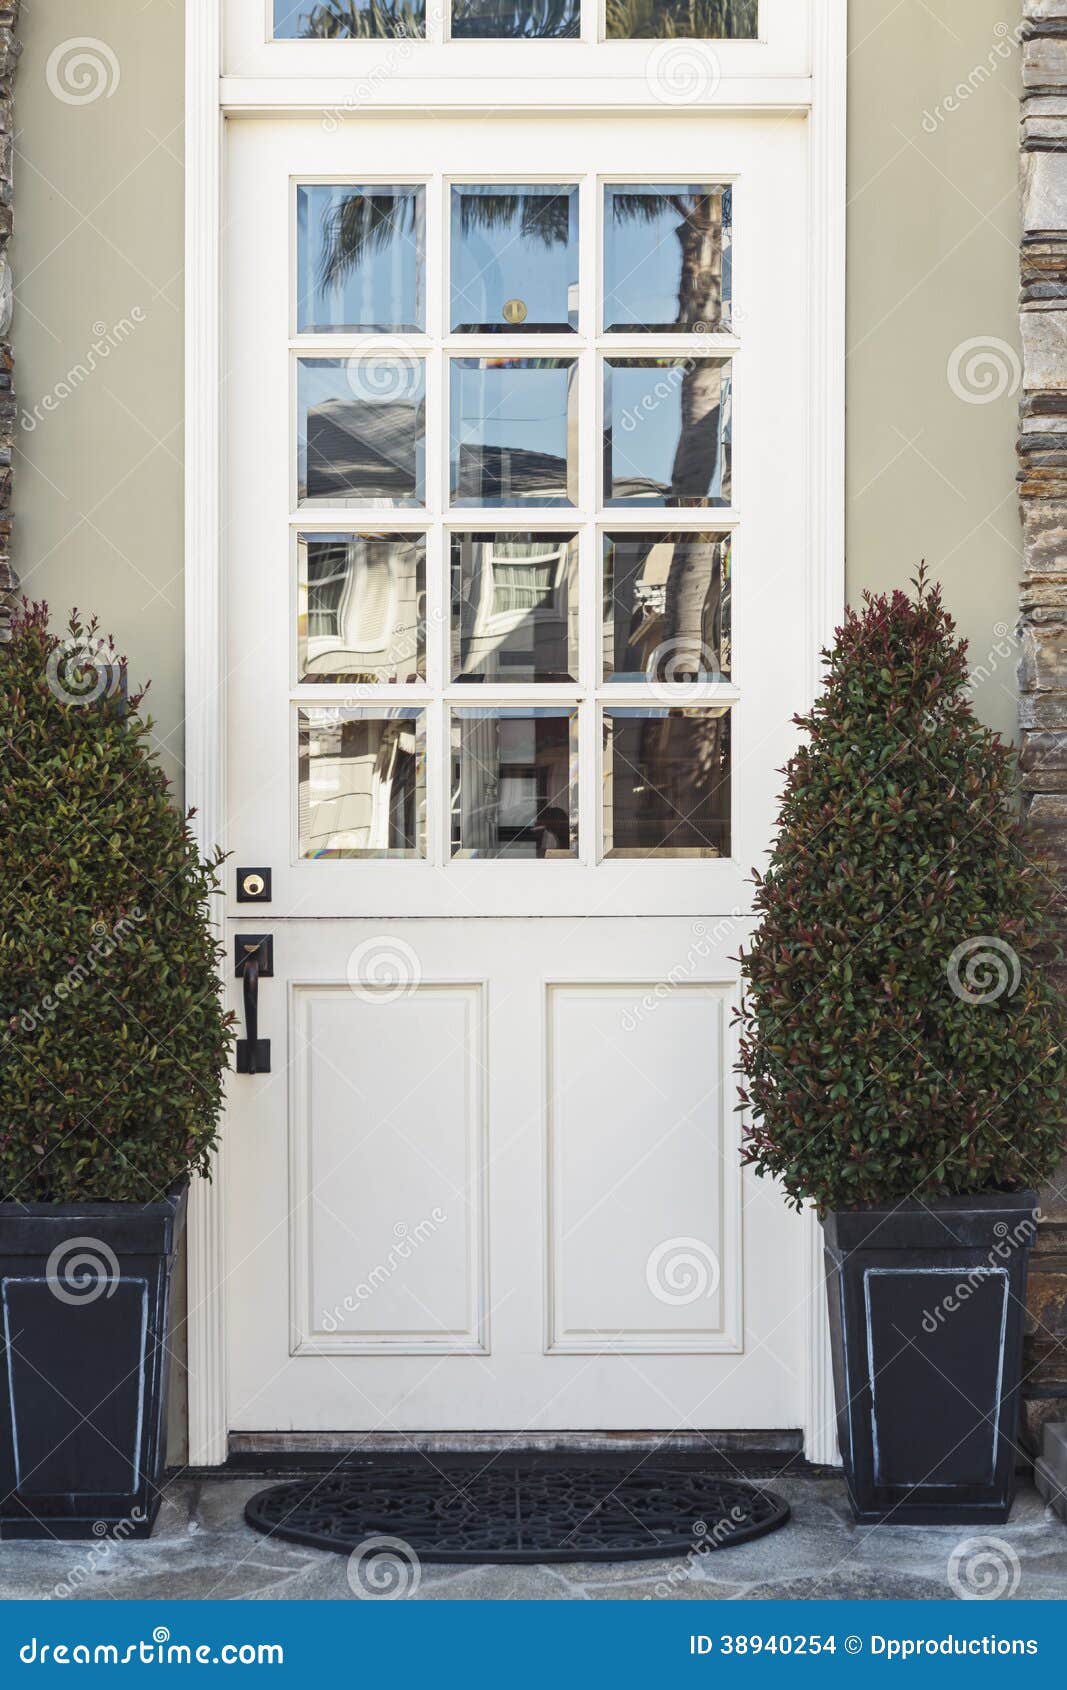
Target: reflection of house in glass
{"points": [[361, 432], [361, 615], [667, 783], [362, 783], [514, 607], [666, 607], [514, 431], [514, 787]]}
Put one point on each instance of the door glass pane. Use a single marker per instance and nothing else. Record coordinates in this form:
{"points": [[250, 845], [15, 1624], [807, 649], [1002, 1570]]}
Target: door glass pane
{"points": [[361, 258], [515, 783], [514, 19], [339, 20], [361, 613], [667, 607], [514, 259], [514, 424], [514, 607], [667, 431], [667, 783], [361, 431], [667, 258], [694, 19], [362, 783]]}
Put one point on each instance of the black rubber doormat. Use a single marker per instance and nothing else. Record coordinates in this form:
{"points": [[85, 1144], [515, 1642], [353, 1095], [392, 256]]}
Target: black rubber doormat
{"points": [[509, 1509]]}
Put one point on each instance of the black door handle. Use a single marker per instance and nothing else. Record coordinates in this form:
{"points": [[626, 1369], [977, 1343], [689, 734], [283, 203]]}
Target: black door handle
{"points": [[253, 961]]}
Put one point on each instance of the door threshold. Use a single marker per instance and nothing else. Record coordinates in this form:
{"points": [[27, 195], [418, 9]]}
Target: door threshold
{"points": [[259, 1449]]}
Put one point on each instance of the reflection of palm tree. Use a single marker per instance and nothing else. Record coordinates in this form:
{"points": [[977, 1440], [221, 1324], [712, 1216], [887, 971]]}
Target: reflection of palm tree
{"points": [[692, 621], [362, 223], [359, 19], [682, 19], [527, 19], [522, 19], [699, 230], [377, 19], [699, 308], [543, 217], [366, 221]]}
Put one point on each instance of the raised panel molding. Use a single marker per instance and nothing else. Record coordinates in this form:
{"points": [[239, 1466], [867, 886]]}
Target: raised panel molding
{"points": [[388, 1234], [662, 1173]]}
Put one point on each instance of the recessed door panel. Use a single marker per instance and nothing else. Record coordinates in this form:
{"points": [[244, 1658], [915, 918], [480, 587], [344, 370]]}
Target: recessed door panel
{"points": [[645, 1180], [388, 1159]]}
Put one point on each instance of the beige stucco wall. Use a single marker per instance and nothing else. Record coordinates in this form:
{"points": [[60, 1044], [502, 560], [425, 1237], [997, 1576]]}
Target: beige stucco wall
{"points": [[932, 264], [98, 261]]}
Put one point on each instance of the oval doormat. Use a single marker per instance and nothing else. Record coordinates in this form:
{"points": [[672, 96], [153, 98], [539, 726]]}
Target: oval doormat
{"points": [[452, 1510]]}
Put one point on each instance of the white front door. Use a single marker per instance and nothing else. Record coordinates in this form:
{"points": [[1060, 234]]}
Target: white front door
{"points": [[517, 506]]}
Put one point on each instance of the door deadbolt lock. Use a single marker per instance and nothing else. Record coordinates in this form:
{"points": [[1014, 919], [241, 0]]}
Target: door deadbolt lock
{"points": [[253, 885]]}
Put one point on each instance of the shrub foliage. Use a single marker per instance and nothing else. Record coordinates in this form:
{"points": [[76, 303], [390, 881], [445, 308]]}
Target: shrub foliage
{"points": [[114, 1036], [901, 1034]]}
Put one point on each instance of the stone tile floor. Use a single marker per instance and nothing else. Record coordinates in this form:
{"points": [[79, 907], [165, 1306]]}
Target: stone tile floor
{"points": [[202, 1548]]}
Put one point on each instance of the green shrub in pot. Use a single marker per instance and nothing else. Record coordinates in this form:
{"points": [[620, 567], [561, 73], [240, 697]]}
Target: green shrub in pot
{"points": [[115, 1039], [903, 1039]]}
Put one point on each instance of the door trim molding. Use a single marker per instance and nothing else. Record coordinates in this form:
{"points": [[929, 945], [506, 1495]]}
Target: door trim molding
{"points": [[827, 134], [205, 678]]}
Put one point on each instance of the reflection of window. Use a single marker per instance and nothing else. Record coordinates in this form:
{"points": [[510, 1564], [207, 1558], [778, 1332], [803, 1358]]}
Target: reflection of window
{"points": [[360, 601], [525, 583], [327, 576], [361, 613], [522, 587], [514, 607], [514, 788]]}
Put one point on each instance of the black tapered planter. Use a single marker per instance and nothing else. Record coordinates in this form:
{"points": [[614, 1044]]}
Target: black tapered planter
{"points": [[85, 1299], [926, 1325]]}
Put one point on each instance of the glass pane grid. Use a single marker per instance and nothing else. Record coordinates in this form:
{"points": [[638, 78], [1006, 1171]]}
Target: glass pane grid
{"points": [[556, 619], [515, 20]]}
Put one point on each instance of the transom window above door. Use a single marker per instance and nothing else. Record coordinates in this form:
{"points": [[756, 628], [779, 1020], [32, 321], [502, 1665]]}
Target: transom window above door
{"points": [[512, 520], [518, 20]]}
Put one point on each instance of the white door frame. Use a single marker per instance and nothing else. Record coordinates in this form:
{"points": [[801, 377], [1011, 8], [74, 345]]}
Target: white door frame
{"points": [[207, 104]]}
